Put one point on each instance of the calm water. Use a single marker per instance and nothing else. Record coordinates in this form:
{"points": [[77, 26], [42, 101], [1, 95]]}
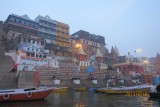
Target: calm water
{"points": [[86, 99]]}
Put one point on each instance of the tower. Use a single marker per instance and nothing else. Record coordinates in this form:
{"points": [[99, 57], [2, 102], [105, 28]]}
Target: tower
{"points": [[81, 55], [99, 56]]}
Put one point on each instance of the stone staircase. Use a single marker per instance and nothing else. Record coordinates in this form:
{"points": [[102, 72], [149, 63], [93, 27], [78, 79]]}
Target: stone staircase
{"points": [[46, 73], [46, 76]]}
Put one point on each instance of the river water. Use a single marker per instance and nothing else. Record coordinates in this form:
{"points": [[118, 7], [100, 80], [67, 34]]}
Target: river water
{"points": [[86, 99]]}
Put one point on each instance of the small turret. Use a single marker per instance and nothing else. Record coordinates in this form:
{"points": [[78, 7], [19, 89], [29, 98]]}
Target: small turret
{"points": [[81, 55], [99, 56]]}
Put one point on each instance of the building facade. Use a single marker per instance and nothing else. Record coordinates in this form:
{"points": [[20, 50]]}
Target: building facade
{"points": [[36, 42], [89, 42], [16, 25], [55, 34]]}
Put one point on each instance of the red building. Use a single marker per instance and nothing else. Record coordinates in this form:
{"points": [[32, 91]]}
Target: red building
{"points": [[148, 79], [128, 68]]}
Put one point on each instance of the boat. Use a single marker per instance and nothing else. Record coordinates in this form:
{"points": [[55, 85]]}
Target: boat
{"points": [[93, 89], [80, 89], [25, 94], [125, 90], [60, 89], [154, 94]]}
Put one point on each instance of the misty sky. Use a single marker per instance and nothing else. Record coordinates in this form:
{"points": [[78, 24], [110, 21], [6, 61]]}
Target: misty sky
{"points": [[128, 24]]}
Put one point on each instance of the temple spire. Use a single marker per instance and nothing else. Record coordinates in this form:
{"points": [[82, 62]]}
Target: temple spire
{"points": [[99, 54], [80, 51], [116, 50]]}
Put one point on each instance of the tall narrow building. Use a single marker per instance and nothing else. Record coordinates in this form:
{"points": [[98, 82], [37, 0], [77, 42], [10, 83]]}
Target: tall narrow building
{"points": [[55, 33]]}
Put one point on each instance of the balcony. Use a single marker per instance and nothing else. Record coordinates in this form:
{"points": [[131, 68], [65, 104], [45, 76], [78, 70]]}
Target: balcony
{"points": [[46, 51], [56, 47]]}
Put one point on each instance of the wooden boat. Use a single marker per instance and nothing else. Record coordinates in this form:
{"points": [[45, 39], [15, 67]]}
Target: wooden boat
{"points": [[93, 89], [124, 90], [154, 94], [60, 89], [80, 89], [25, 94]]}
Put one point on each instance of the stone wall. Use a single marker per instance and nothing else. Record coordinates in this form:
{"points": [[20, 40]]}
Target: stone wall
{"points": [[8, 79], [28, 79]]}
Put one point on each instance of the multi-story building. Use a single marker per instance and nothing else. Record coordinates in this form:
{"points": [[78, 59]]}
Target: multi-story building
{"points": [[22, 35], [55, 33], [152, 60], [16, 25], [89, 42]]}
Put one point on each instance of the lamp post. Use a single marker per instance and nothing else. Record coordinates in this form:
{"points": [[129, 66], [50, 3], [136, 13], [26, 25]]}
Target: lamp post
{"points": [[137, 51], [145, 63], [78, 45]]}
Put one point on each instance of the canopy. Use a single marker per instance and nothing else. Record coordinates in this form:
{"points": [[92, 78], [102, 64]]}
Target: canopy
{"points": [[90, 69]]}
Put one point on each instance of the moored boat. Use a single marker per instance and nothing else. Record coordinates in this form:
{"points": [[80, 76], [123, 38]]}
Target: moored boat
{"points": [[25, 94], [93, 89], [124, 90], [155, 91], [60, 89], [80, 89], [154, 94]]}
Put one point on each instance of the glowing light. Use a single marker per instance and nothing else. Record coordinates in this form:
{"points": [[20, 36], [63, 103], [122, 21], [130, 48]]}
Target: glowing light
{"points": [[78, 45], [138, 50], [145, 61]]}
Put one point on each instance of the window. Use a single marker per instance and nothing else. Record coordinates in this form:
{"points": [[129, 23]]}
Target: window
{"points": [[124, 68], [40, 56], [44, 56], [36, 55], [32, 55], [32, 49], [28, 49], [28, 54], [13, 34]]}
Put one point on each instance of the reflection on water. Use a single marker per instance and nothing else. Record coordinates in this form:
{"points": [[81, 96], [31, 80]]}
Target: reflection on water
{"points": [[37, 103], [86, 99]]}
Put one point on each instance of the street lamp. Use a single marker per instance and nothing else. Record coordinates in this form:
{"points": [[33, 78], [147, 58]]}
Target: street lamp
{"points": [[145, 63], [78, 45], [137, 51]]}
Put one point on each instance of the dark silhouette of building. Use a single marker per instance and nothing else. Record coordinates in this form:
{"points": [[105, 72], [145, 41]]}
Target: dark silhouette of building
{"points": [[157, 63]]}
